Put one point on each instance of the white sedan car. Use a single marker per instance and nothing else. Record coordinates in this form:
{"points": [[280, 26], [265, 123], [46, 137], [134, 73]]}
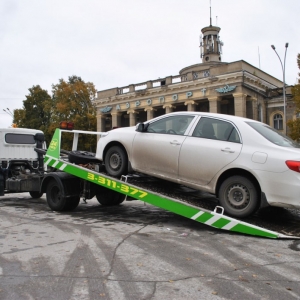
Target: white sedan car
{"points": [[245, 163]]}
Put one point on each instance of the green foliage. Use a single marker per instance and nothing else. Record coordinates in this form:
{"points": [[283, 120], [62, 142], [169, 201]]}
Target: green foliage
{"points": [[72, 101], [296, 96], [19, 115], [298, 62], [294, 125], [36, 111]]}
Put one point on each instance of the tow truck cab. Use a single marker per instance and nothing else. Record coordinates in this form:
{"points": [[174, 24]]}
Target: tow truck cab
{"points": [[21, 166]]}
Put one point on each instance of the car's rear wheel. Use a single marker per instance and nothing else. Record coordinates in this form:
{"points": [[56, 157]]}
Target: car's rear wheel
{"points": [[239, 196], [82, 157], [116, 161]]}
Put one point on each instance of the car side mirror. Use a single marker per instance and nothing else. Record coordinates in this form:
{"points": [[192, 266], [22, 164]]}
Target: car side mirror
{"points": [[140, 127]]}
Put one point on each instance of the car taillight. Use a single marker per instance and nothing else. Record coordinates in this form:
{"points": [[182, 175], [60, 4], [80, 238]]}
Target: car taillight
{"points": [[293, 165]]}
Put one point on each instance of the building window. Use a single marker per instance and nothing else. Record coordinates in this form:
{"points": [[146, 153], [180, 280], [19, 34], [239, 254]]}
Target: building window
{"points": [[206, 73], [184, 78], [278, 122]]}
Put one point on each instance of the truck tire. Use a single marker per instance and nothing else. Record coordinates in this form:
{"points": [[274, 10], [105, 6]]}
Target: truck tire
{"points": [[72, 203], [36, 195], [109, 197], [55, 196], [82, 157], [116, 161]]}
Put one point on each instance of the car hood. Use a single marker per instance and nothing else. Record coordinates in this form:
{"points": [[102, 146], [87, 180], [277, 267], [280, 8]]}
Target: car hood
{"points": [[121, 130], [118, 131]]}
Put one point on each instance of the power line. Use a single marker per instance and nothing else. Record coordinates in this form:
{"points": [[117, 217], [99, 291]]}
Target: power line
{"points": [[7, 111]]}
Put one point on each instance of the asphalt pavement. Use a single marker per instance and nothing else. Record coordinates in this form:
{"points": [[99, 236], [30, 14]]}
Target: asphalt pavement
{"points": [[135, 251]]}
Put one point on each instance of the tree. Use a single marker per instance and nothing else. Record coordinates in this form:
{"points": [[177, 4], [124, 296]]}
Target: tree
{"points": [[72, 101], [36, 111], [294, 125]]}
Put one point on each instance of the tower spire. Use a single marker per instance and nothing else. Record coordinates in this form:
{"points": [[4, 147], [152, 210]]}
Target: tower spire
{"points": [[210, 43], [210, 12]]}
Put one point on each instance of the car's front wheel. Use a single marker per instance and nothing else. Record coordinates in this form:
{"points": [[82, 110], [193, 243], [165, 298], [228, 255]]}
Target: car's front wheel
{"points": [[239, 196], [116, 161]]}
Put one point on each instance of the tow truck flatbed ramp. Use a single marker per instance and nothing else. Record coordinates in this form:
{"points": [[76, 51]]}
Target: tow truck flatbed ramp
{"points": [[214, 218]]}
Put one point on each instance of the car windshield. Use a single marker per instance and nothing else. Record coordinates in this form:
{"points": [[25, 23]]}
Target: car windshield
{"points": [[273, 135]]}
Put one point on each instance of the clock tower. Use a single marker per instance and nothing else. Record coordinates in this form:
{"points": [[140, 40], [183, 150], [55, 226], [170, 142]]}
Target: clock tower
{"points": [[210, 43]]}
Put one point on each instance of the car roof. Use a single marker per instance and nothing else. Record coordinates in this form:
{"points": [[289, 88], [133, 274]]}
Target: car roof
{"points": [[215, 115]]}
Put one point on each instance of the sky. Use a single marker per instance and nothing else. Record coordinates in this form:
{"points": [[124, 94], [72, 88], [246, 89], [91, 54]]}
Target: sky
{"points": [[120, 42]]}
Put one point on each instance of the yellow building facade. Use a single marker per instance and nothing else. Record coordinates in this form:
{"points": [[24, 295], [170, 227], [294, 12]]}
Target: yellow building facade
{"points": [[235, 88]]}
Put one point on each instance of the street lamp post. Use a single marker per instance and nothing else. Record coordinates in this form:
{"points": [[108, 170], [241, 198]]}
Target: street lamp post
{"points": [[283, 89]]}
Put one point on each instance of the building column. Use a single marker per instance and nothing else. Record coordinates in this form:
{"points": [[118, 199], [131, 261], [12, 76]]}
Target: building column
{"points": [[215, 104], [240, 104], [254, 105], [101, 122], [132, 117], [168, 80], [150, 113], [131, 88], [262, 109], [115, 120], [149, 84], [168, 108], [190, 105]]}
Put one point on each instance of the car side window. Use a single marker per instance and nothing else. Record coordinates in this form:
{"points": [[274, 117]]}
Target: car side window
{"points": [[171, 125], [215, 129]]}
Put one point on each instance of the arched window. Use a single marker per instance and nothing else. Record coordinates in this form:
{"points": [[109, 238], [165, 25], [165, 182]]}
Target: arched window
{"points": [[278, 122]]}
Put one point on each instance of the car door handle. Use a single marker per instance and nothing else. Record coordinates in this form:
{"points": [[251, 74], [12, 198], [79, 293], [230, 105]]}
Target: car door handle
{"points": [[175, 143], [228, 150]]}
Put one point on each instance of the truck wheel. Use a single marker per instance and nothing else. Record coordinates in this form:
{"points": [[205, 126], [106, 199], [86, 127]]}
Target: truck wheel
{"points": [[110, 198], [116, 162], [55, 198], [239, 196], [72, 203], [36, 195], [82, 157]]}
